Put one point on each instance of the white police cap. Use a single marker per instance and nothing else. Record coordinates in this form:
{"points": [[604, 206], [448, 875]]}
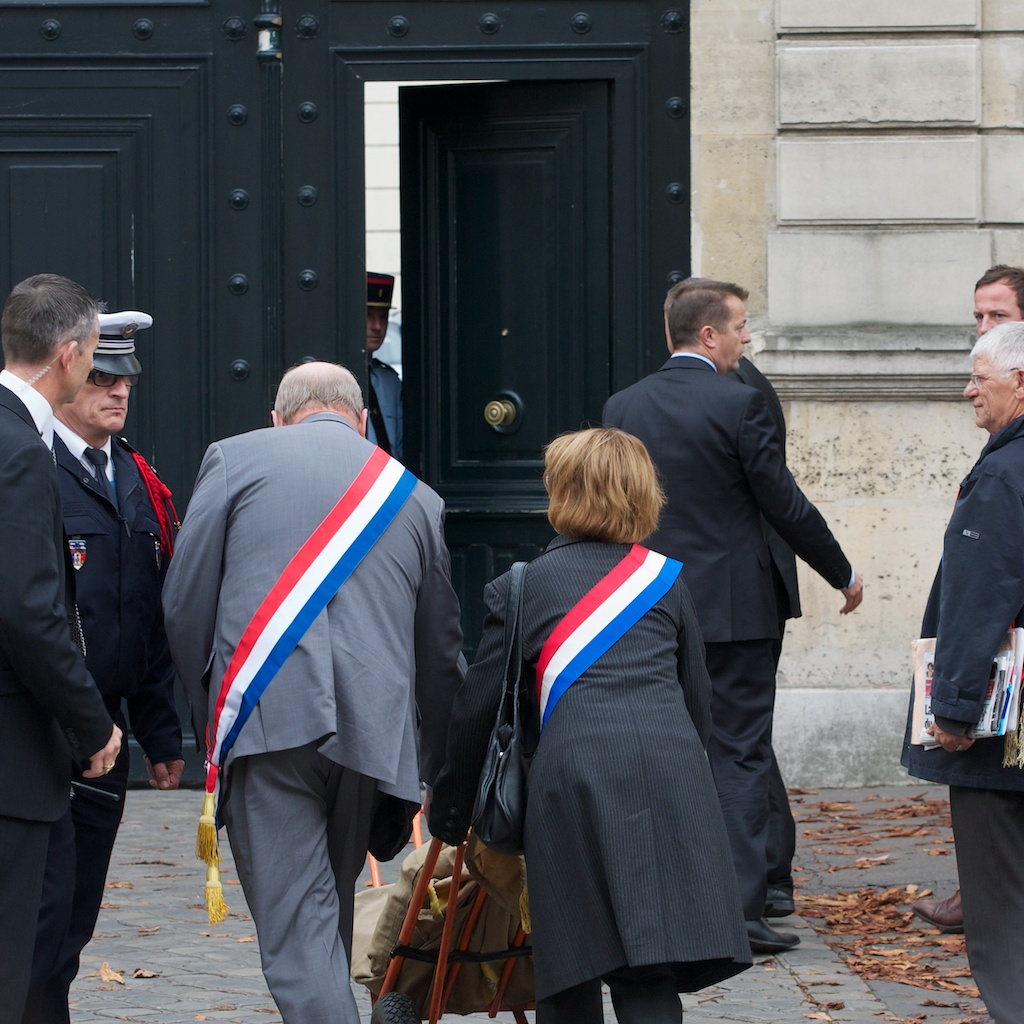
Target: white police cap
{"points": [[116, 350]]}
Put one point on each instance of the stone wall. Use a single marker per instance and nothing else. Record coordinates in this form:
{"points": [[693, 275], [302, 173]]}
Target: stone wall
{"points": [[856, 166]]}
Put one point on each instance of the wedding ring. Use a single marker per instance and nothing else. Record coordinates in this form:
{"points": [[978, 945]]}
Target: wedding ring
{"points": [[110, 767]]}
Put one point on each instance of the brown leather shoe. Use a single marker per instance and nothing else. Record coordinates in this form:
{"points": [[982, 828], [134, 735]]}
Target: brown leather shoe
{"points": [[947, 915]]}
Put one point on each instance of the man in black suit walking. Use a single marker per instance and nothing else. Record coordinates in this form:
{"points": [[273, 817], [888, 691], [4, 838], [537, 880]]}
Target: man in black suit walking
{"points": [[50, 710], [781, 825], [720, 457]]}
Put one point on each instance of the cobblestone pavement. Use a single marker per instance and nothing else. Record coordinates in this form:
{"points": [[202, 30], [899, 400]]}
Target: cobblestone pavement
{"points": [[155, 958]]}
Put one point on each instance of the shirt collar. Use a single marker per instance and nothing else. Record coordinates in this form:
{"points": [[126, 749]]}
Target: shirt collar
{"points": [[695, 355], [38, 407], [77, 445]]}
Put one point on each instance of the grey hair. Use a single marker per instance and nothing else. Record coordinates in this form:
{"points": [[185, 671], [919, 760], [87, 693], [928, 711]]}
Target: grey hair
{"points": [[1004, 347], [317, 386]]}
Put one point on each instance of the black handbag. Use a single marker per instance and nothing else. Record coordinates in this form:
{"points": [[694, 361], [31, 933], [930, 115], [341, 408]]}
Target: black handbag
{"points": [[500, 807]]}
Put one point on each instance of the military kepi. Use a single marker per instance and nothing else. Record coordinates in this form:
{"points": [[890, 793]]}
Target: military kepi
{"points": [[115, 352], [379, 289]]}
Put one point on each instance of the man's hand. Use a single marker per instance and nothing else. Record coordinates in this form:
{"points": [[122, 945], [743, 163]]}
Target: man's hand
{"points": [[949, 741], [165, 774], [103, 760], [854, 594]]}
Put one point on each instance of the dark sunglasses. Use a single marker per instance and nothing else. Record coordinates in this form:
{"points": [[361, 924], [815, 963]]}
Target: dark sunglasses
{"points": [[102, 379]]}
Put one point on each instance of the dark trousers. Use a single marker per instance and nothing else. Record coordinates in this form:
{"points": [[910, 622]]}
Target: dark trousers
{"points": [[781, 846], [77, 858], [22, 860], [988, 828], [781, 826], [640, 995], [742, 703]]}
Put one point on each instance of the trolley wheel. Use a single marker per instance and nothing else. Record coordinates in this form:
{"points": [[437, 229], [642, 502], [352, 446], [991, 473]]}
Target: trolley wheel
{"points": [[395, 1008]]}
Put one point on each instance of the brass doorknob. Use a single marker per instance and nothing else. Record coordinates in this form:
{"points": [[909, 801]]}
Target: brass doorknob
{"points": [[499, 412]]}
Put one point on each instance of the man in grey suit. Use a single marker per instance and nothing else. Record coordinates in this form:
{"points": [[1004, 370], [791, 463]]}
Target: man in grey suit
{"points": [[334, 736]]}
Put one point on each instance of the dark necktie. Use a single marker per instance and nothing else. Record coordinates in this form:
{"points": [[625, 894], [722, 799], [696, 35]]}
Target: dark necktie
{"points": [[98, 458], [377, 419]]}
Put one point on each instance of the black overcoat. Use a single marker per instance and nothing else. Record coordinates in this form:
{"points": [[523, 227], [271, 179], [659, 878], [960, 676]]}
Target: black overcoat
{"points": [[978, 593], [627, 857]]}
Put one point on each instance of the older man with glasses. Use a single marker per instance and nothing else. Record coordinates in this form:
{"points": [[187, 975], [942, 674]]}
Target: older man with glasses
{"points": [[119, 524], [977, 595], [998, 299]]}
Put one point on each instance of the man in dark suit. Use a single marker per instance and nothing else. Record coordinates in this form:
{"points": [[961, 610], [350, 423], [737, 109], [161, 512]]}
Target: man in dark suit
{"points": [[781, 825], [50, 710], [720, 458], [120, 539]]}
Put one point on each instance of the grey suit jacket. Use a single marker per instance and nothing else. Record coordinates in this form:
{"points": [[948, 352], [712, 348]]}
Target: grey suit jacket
{"points": [[384, 654]]}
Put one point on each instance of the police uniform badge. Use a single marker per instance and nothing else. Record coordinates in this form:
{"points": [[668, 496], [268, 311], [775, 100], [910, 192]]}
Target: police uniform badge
{"points": [[77, 548]]}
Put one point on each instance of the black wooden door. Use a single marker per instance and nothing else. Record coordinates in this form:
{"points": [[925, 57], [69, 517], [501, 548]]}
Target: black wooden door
{"points": [[204, 162], [131, 142], [506, 319], [131, 159], [545, 209]]}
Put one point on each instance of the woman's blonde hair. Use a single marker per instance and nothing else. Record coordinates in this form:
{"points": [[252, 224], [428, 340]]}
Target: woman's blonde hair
{"points": [[602, 486]]}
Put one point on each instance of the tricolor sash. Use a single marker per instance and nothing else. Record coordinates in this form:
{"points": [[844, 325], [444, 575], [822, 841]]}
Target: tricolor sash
{"points": [[304, 589], [301, 593], [602, 617]]}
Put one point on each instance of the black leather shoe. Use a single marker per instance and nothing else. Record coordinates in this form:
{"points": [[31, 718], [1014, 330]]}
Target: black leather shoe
{"points": [[765, 939], [778, 902]]}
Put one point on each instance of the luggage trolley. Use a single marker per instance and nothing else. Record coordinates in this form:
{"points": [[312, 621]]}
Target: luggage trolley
{"points": [[459, 921]]}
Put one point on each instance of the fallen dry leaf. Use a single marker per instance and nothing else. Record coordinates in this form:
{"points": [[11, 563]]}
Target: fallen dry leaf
{"points": [[141, 972], [874, 930], [107, 973], [870, 862]]}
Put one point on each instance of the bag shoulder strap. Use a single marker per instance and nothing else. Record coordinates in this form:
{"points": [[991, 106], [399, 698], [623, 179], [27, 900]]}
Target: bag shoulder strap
{"points": [[513, 611]]}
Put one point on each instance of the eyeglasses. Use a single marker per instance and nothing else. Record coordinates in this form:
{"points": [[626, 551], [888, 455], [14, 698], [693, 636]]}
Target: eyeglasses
{"points": [[977, 379], [102, 379]]}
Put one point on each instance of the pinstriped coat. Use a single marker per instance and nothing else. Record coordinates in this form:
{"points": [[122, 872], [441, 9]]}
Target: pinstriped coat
{"points": [[627, 857]]}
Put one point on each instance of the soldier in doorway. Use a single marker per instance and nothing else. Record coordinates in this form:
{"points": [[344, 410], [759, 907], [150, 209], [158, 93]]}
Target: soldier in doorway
{"points": [[384, 426]]}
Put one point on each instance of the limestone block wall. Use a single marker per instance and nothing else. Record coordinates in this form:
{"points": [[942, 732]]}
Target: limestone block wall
{"points": [[856, 165]]}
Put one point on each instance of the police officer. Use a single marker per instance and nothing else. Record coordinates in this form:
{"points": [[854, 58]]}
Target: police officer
{"points": [[384, 423], [119, 523]]}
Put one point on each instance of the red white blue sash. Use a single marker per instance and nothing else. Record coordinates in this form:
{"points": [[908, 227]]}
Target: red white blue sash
{"points": [[304, 589], [601, 618]]}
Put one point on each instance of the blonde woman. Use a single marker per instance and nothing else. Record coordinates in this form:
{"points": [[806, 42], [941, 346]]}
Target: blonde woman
{"points": [[630, 876]]}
